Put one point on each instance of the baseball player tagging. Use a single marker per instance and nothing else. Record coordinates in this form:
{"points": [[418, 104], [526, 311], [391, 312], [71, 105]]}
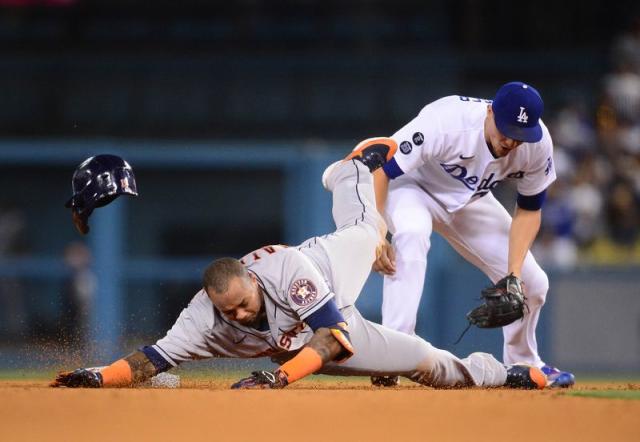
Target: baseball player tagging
{"points": [[296, 304], [449, 159]]}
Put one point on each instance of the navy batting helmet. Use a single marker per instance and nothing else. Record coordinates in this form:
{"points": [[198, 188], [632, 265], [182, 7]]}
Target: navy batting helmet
{"points": [[96, 182]]}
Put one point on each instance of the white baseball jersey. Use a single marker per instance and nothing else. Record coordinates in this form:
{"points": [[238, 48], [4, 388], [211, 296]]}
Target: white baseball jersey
{"points": [[444, 150], [445, 173]]}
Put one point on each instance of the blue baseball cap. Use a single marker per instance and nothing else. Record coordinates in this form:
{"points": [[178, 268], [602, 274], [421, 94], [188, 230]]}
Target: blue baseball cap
{"points": [[517, 108]]}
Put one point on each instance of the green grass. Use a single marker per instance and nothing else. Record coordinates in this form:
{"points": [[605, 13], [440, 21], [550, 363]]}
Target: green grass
{"points": [[26, 375], [233, 372], [608, 394], [608, 377]]}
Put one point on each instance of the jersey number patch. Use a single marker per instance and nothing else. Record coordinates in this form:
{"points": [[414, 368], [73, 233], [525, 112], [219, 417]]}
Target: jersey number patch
{"points": [[260, 253]]}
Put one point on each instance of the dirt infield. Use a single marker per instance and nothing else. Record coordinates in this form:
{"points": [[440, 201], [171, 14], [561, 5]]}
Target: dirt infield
{"points": [[312, 411]]}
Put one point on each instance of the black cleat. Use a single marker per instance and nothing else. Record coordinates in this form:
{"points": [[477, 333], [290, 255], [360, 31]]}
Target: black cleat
{"points": [[374, 152], [525, 376], [385, 381]]}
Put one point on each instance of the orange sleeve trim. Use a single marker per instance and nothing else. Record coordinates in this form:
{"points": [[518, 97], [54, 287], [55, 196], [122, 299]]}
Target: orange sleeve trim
{"points": [[304, 363], [117, 374], [344, 341], [376, 140]]}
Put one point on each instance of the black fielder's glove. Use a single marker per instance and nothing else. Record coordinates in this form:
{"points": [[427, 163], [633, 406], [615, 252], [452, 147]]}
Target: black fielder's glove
{"points": [[80, 378], [263, 379], [503, 304]]}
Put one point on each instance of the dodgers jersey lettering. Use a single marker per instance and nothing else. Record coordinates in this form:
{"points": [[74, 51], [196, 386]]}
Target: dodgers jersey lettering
{"points": [[444, 150], [293, 289]]}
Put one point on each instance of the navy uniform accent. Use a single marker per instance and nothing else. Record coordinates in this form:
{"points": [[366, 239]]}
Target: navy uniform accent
{"points": [[392, 170], [326, 316], [532, 202], [160, 363]]}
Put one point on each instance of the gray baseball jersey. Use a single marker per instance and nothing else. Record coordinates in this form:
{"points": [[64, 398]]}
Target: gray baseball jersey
{"points": [[297, 281]]}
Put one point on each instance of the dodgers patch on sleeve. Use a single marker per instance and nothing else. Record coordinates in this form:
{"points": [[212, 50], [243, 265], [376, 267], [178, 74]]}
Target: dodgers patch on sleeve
{"points": [[303, 292], [406, 147]]}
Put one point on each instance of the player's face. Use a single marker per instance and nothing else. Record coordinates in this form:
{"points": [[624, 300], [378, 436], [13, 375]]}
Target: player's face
{"points": [[500, 145], [242, 302]]}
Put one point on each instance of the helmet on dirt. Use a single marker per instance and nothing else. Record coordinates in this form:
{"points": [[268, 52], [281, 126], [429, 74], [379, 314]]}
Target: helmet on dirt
{"points": [[99, 180]]}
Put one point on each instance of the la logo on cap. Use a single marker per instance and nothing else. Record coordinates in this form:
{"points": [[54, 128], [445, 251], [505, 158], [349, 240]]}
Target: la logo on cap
{"points": [[517, 108], [523, 117]]}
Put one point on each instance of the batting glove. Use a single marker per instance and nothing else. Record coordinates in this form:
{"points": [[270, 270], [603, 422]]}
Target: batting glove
{"points": [[263, 379], [81, 377]]}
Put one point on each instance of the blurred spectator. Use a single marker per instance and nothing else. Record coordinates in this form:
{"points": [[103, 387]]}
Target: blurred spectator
{"points": [[626, 49], [593, 209], [586, 200], [13, 313], [605, 187], [77, 296], [555, 252], [555, 246], [572, 129], [622, 93], [623, 214]]}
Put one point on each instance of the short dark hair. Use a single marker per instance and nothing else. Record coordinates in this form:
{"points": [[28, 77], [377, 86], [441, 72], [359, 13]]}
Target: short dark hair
{"points": [[218, 274]]}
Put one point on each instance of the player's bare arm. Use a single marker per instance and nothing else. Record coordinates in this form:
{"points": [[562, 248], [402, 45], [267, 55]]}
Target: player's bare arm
{"points": [[131, 370], [385, 262], [326, 345], [142, 368], [381, 188], [504, 302], [524, 228]]}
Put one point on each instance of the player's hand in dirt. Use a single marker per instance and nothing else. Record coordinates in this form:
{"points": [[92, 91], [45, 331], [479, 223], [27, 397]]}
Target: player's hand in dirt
{"points": [[385, 262], [79, 378], [262, 379]]}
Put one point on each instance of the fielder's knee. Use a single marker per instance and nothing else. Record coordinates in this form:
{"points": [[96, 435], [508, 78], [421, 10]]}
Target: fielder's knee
{"points": [[536, 287]]}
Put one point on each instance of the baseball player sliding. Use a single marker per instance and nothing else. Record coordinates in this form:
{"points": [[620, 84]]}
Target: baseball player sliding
{"points": [[297, 305], [449, 159]]}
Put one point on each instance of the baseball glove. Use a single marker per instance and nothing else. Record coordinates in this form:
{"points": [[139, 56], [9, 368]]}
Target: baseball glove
{"points": [[80, 377], [503, 304], [262, 379]]}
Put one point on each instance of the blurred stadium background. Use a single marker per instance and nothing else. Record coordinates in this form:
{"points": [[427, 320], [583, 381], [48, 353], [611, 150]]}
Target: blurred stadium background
{"points": [[229, 111]]}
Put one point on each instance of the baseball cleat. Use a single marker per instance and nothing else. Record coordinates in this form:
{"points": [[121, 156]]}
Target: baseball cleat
{"points": [[385, 381], [525, 377], [557, 378], [374, 152]]}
